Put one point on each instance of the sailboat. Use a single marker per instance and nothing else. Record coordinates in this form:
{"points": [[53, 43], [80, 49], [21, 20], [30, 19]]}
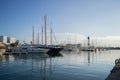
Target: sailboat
{"points": [[29, 48], [52, 49]]}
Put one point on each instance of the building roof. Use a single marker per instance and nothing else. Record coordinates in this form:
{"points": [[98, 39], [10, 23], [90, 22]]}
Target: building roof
{"points": [[2, 44]]}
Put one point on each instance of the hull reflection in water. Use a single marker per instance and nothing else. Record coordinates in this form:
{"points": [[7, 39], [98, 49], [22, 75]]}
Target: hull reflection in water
{"points": [[30, 66], [64, 66]]}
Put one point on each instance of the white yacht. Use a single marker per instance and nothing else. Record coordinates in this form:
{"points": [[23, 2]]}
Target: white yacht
{"points": [[28, 49]]}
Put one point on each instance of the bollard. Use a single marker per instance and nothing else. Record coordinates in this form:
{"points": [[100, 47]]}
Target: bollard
{"points": [[116, 61]]}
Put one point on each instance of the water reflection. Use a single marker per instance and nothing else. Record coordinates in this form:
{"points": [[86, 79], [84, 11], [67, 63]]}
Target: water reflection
{"points": [[43, 69], [37, 65], [91, 56], [88, 56], [7, 58], [68, 65]]}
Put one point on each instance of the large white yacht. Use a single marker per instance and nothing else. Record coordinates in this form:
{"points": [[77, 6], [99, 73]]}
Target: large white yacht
{"points": [[28, 49]]}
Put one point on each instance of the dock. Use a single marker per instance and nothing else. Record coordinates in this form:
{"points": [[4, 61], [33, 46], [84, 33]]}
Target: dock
{"points": [[115, 72]]}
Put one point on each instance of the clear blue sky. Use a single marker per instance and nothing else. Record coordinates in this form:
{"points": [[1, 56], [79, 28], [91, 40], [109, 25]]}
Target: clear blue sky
{"points": [[87, 17]]}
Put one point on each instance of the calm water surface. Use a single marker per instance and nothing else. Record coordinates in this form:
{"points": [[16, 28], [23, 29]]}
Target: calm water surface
{"points": [[65, 66]]}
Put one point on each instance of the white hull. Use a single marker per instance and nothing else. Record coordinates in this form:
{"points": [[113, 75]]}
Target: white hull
{"points": [[29, 49]]}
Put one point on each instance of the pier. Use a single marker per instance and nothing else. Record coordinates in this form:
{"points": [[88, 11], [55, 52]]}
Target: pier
{"points": [[115, 72]]}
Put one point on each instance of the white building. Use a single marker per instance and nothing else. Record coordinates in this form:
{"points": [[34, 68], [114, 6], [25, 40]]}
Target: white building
{"points": [[10, 40], [3, 39], [7, 40]]}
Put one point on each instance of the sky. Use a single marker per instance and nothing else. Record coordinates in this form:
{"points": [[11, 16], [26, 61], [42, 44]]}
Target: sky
{"points": [[95, 18]]}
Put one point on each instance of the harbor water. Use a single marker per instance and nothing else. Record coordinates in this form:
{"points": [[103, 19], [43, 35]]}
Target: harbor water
{"points": [[64, 66]]}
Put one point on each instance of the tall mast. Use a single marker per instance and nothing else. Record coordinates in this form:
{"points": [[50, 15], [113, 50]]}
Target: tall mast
{"points": [[38, 39], [42, 35], [45, 31], [51, 36], [33, 36]]}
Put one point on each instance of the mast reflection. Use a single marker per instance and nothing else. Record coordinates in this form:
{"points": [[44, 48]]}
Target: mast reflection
{"points": [[44, 61], [88, 56]]}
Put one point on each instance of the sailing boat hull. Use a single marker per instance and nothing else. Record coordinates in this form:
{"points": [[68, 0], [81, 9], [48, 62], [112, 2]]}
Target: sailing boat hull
{"points": [[54, 50]]}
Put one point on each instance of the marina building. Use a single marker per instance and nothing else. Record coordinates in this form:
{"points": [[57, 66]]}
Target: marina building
{"points": [[6, 40], [3, 39], [10, 40]]}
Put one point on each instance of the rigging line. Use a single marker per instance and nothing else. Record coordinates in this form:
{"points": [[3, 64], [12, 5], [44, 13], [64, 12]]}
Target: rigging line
{"points": [[55, 38]]}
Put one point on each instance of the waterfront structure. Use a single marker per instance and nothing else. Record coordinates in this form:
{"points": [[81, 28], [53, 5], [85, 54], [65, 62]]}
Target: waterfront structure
{"points": [[2, 48], [89, 47], [88, 42], [2, 45], [6, 39], [3, 39], [71, 47], [10, 40]]}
